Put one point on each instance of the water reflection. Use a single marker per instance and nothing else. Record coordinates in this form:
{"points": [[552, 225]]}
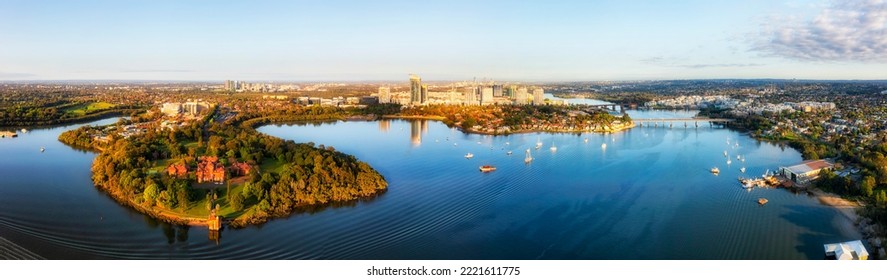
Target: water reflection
{"points": [[384, 125], [417, 128]]}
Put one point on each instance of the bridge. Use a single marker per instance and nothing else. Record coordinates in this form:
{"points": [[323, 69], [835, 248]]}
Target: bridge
{"points": [[683, 120]]}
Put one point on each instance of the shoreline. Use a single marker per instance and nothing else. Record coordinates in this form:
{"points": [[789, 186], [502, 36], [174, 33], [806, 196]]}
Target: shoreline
{"points": [[523, 131]]}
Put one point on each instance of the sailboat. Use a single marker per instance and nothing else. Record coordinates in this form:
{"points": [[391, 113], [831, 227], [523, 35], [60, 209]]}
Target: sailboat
{"points": [[508, 153], [538, 143], [469, 155], [728, 161], [725, 153], [586, 140], [529, 158], [604, 146], [742, 170], [553, 148], [42, 149]]}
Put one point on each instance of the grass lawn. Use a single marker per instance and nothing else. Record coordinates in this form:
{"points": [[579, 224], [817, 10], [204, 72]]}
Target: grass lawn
{"points": [[197, 209], [88, 108], [272, 165]]}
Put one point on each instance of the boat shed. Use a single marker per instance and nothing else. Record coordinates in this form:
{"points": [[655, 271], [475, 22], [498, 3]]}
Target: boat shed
{"points": [[852, 250], [806, 170]]}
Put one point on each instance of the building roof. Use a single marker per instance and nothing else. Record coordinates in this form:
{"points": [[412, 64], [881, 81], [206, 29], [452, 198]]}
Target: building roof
{"points": [[851, 250], [810, 165]]}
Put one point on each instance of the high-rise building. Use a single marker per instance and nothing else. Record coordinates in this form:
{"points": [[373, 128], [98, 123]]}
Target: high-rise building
{"points": [[229, 85], [520, 96], [497, 90], [423, 95], [384, 95], [471, 95], [486, 95], [538, 96], [415, 89]]}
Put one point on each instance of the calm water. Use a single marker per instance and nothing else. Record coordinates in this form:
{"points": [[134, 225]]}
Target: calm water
{"points": [[647, 195]]}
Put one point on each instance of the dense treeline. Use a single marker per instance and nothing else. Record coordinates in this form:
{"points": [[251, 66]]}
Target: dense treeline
{"points": [[307, 176], [52, 115], [81, 137]]}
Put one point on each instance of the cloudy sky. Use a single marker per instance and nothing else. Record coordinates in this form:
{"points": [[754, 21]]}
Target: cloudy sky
{"points": [[442, 40]]}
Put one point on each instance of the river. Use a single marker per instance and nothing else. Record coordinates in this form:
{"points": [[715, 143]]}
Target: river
{"points": [[647, 195]]}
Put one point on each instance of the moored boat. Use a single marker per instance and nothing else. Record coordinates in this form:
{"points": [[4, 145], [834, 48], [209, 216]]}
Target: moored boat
{"points": [[469, 155], [487, 168], [715, 170]]}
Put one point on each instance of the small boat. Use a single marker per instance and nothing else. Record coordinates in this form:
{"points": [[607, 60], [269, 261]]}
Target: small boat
{"points": [[553, 148], [24, 130], [469, 155], [604, 146], [742, 159], [455, 144], [742, 170], [508, 153], [715, 170], [762, 201], [507, 143], [529, 158], [728, 161], [738, 157], [487, 168], [725, 153], [42, 149], [586, 140]]}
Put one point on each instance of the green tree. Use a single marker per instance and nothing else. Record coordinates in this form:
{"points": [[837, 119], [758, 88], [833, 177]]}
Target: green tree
{"points": [[236, 201], [151, 192], [867, 186]]}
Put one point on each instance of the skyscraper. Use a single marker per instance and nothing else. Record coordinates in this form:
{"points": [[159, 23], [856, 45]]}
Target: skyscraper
{"points": [[423, 96], [497, 90], [415, 89]]}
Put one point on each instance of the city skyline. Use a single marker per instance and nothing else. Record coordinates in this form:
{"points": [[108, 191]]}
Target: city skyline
{"points": [[505, 41]]}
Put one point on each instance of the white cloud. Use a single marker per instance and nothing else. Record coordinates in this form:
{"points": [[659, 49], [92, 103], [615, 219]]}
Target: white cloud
{"points": [[844, 31]]}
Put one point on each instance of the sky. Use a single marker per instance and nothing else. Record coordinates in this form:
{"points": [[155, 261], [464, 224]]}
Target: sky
{"points": [[442, 40]]}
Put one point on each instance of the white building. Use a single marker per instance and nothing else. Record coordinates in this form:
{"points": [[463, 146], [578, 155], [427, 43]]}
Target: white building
{"points": [[852, 250], [171, 109], [486, 96], [538, 96]]}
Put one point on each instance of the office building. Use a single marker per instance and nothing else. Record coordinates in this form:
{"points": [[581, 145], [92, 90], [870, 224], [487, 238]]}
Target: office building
{"points": [[415, 89]]}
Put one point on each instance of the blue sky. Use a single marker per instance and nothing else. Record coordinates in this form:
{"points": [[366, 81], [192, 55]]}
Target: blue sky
{"points": [[442, 40]]}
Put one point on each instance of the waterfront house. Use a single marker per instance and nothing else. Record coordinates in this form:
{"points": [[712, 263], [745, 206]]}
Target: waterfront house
{"points": [[852, 250], [806, 170]]}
